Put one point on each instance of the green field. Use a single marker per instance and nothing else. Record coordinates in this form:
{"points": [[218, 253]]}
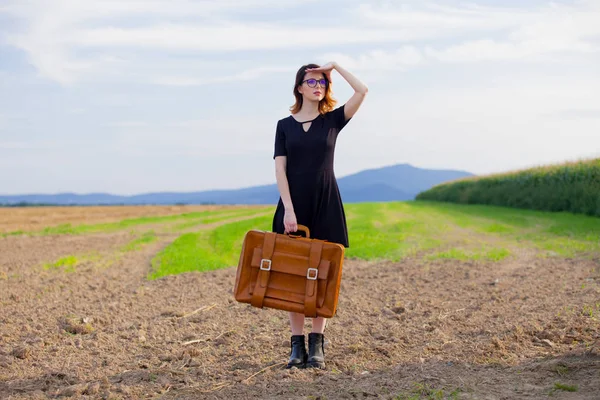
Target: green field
{"points": [[396, 230], [393, 231]]}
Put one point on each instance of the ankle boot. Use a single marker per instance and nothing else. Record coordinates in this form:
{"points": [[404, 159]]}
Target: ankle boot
{"points": [[316, 351], [298, 352]]}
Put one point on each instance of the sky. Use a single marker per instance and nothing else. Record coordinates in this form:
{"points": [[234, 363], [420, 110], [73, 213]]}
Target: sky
{"points": [[138, 96]]}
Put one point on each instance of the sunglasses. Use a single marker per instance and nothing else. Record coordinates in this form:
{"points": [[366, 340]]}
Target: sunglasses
{"points": [[313, 82]]}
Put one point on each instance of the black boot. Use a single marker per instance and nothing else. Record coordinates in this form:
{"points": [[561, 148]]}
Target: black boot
{"points": [[298, 354], [316, 351]]}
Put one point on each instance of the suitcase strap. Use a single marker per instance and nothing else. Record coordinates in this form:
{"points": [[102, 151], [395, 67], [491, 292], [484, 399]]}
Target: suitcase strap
{"points": [[264, 271], [310, 300]]}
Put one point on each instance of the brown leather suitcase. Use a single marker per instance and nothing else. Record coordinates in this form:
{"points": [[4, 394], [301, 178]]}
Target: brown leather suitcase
{"points": [[289, 272]]}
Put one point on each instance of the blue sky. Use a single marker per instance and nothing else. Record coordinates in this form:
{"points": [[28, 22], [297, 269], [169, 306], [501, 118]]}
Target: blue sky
{"points": [[133, 96]]}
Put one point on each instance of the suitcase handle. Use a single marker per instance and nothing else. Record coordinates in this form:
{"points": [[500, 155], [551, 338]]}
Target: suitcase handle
{"points": [[301, 228]]}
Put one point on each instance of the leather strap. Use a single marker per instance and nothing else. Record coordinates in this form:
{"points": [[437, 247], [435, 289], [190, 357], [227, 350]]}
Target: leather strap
{"points": [[262, 280], [310, 299]]}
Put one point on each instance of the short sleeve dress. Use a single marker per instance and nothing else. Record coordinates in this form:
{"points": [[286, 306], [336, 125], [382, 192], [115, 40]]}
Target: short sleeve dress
{"points": [[313, 187]]}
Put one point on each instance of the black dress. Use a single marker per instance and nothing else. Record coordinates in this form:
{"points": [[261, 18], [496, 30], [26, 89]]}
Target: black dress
{"points": [[313, 187]]}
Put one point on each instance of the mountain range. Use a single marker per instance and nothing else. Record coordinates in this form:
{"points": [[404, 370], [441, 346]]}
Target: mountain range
{"points": [[395, 182]]}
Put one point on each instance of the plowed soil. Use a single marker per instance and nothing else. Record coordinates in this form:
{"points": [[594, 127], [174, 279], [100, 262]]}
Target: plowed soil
{"points": [[35, 218], [413, 329]]}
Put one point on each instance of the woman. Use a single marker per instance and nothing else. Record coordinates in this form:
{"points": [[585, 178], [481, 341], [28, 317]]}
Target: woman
{"points": [[309, 195]]}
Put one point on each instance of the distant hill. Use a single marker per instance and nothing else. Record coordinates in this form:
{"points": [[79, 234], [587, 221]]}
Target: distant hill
{"points": [[396, 182]]}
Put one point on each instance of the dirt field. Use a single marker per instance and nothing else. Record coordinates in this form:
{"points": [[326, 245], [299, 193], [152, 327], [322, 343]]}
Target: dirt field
{"points": [[413, 329], [35, 218]]}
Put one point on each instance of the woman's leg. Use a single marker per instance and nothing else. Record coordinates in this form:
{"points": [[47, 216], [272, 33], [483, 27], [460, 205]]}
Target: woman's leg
{"points": [[297, 323], [318, 324]]}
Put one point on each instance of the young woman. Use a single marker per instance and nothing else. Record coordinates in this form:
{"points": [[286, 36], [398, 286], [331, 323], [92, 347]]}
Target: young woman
{"points": [[309, 195]]}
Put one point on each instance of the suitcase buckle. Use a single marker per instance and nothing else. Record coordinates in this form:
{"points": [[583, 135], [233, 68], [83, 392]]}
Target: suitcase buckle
{"points": [[268, 262], [311, 277]]}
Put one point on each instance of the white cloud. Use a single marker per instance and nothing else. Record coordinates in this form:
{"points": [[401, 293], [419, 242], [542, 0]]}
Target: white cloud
{"points": [[56, 35], [10, 120], [127, 124], [576, 113], [553, 29], [485, 50], [202, 137], [430, 19], [545, 34], [402, 58], [73, 10], [502, 33], [231, 37], [28, 145], [69, 41], [250, 74]]}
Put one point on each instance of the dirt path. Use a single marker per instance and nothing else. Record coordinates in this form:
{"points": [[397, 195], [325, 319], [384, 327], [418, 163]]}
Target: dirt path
{"points": [[496, 331]]}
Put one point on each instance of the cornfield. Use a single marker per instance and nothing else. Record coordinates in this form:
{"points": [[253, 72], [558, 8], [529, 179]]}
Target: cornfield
{"points": [[572, 187]]}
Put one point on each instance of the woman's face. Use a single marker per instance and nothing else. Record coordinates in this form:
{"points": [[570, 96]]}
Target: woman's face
{"points": [[314, 86]]}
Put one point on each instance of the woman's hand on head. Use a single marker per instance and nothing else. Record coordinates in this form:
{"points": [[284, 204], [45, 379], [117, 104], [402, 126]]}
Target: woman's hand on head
{"points": [[289, 221], [325, 69]]}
